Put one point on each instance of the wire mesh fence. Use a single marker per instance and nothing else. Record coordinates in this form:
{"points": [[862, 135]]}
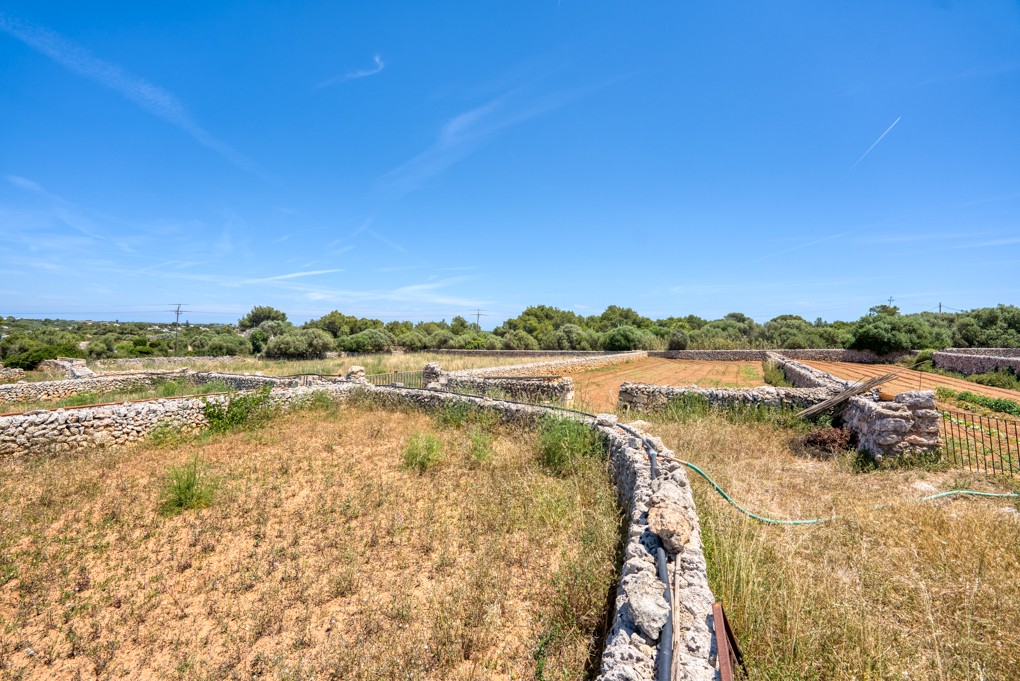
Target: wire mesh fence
{"points": [[409, 379], [985, 444]]}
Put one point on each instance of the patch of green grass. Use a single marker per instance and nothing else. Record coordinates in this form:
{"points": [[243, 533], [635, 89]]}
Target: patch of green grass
{"points": [[999, 404], [774, 375], [563, 442], [423, 451], [187, 487], [480, 445]]}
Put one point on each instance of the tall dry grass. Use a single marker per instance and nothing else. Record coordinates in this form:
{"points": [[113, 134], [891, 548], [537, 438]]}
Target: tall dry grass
{"points": [[909, 591], [320, 555]]}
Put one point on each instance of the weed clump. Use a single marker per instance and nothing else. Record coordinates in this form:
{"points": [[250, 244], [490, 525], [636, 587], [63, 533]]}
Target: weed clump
{"points": [[774, 375], [423, 451], [242, 411], [187, 487], [563, 442], [480, 445]]}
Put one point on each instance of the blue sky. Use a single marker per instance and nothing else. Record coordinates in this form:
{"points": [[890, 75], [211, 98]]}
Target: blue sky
{"points": [[420, 160]]}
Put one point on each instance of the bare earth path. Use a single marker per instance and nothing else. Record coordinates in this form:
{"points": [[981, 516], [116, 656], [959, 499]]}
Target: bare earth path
{"points": [[597, 389], [909, 379]]}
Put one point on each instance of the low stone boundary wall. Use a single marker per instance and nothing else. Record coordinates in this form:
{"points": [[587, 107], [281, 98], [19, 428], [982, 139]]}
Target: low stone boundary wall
{"points": [[660, 512], [803, 376], [72, 367], [993, 352], [11, 374], [65, 430], [975, 363], [554, 366], [558, 390], [818, 355], [645, 396], [127, 362], [910, 423], [57, 390]]}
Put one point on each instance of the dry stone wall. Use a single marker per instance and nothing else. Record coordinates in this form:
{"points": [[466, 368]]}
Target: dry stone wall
{"points": [[137, 362], [526, 353], [57, 390], [910, 423], [803, 376], [818, 355], [554, 366], [11, 375], [994, 352], [71, 367], [977, 363], [66, 430], [645, 396]]}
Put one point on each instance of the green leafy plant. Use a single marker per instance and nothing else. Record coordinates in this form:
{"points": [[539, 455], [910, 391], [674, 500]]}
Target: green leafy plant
{"points": [[239, 411], [774, 375], [187, 487], [423, 451]]}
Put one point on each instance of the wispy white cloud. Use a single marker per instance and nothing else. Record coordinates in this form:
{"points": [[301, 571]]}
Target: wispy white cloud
{"points": [[467, 132], [353, 75], [874, 144], [283, 277], [1006, 241], [152, 98]]}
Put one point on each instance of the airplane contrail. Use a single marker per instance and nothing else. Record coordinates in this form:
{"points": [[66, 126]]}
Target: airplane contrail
{"points": [[880, 138]]}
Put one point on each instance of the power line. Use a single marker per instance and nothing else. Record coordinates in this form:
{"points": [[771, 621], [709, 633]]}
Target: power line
{"points": [[177, 324]]}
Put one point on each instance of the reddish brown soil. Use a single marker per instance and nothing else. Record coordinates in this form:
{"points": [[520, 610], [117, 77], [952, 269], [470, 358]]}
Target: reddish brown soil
{"points": [[908, 379], [597, 389]]}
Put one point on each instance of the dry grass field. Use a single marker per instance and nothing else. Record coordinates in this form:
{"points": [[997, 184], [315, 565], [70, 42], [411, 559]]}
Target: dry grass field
{"points": [[374, 364], [350, 543], [909, 591], [597, 389]]}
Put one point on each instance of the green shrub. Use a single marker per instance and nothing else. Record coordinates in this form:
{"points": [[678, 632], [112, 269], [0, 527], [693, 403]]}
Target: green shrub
{"points": [[369, 340], [423, 451], [300, 344], [678, 340], [1001, 378], [563, 441], [622, 338], [999, 404], [519, 340], [31, 358], [187, 487], [240, 411]]}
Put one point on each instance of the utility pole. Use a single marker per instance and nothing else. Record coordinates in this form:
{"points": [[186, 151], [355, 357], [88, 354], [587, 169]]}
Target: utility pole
{"points": [[478, 318], [177, 325], [940, 308], [890, 301]]}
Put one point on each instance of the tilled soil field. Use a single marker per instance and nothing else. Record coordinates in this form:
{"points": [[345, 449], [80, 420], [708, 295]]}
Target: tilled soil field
{"points": [[908, 379], [598, 389]]}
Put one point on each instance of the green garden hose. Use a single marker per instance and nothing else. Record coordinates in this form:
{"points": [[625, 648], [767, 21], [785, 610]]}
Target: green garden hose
{"points": [[816, 521]]}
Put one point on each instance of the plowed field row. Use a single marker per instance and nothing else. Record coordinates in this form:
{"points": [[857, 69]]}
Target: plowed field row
{"points": [[909, 379], [598, 389]]}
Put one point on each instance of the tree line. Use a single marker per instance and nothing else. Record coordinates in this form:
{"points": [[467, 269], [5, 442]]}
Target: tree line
{"points": [[267, 332]]}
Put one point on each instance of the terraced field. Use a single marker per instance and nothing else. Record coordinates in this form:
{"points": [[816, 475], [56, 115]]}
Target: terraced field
{"points": [[597, 389]]}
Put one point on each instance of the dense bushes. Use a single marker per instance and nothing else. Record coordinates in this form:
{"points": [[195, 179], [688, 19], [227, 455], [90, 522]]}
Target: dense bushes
{"points": [[30, 359], [300, 344], [369, 340]]}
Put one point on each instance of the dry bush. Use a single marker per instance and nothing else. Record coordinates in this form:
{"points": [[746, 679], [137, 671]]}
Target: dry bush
{"points": [[320, 556], [911, 590]]}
